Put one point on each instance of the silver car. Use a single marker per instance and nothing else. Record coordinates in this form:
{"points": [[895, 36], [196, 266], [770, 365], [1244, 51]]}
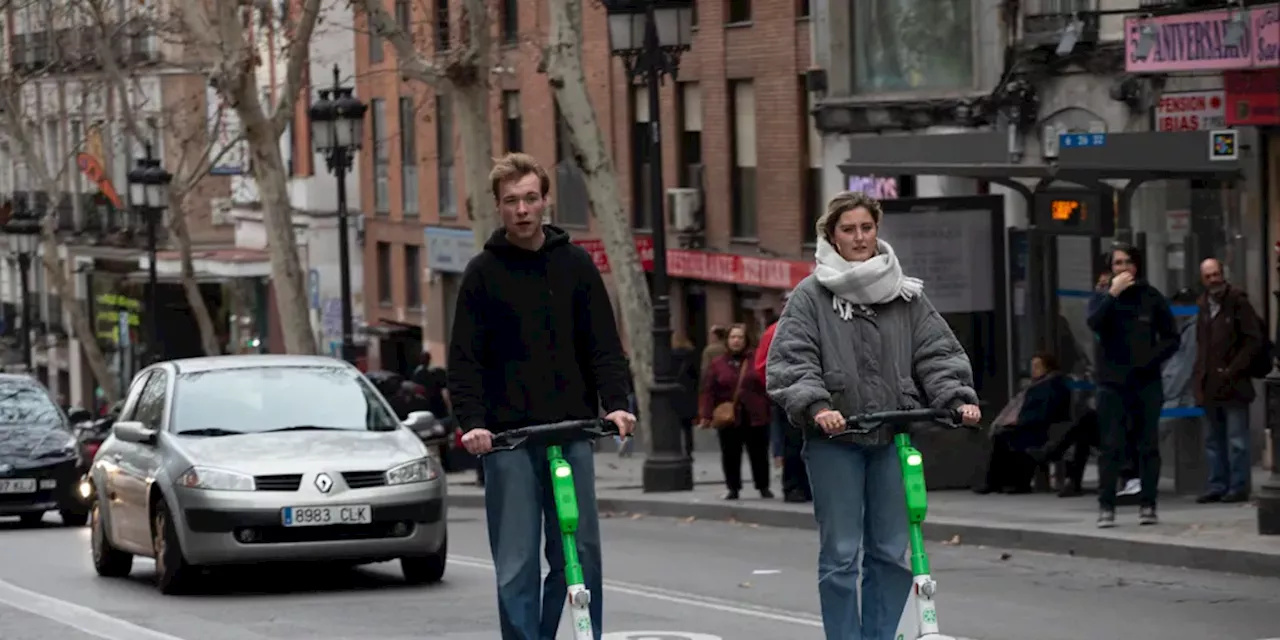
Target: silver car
{"points": [[246, 459]]}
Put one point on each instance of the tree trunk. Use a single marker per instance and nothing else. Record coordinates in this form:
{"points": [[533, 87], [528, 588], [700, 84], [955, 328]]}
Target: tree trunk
{"points": [[182, 236], [563, 60], [471, 109]]}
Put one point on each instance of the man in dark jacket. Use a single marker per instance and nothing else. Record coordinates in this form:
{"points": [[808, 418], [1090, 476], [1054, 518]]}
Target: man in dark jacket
{"points": [[534, 341], [1228, 337], [1136, 334]]}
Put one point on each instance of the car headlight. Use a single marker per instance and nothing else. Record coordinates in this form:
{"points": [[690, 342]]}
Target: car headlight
{"points": [[416, 471], [215, 480]]}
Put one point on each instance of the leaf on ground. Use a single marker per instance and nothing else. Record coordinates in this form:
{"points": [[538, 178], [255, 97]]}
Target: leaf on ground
{"points": [[1006, 555], [953, 541], [637, 516], [744, 585], [688, 520]]}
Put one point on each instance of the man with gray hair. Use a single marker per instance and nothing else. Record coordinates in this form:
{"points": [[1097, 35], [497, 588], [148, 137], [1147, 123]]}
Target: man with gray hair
{"points": [[1229, 335]]}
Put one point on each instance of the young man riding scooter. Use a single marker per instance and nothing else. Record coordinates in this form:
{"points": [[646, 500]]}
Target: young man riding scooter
{"points": [[534, 341]]}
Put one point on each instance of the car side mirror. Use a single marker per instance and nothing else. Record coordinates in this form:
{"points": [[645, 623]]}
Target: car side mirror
{"points": [[419, 419], [430, 430], [132, 431], [77, 415]]}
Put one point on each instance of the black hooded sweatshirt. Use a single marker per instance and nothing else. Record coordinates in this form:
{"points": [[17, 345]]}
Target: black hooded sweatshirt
{"points": [[534, 339], [1136, 334]]}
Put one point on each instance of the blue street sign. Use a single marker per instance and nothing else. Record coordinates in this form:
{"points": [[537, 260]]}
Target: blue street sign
{"points": [[313, 287], [1077, 140]]}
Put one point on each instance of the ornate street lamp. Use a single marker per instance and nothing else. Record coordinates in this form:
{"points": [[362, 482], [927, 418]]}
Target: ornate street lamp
{"points": [[649, 36], [337, 128], [23, 231], [149, 195]]}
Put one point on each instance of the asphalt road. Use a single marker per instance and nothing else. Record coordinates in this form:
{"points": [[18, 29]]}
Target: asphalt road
{"points": [[728, 581]]}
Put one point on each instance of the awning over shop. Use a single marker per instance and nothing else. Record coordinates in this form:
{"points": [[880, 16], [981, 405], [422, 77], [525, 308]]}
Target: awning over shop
{"points": [[218, 263]]}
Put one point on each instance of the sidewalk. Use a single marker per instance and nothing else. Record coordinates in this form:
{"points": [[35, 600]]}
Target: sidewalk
{"points": [[1210, 537]]}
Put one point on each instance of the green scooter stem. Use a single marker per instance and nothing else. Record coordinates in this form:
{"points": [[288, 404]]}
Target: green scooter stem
{"points": [[566, 500], [923, 587]]}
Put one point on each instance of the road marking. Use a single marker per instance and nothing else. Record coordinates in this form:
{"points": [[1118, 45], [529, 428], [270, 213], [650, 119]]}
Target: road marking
{"points": [[81, 618], [657, 635], [680, 597]]}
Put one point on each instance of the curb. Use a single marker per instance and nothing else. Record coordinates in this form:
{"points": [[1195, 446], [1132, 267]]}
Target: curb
{"points": [[971, 533]]}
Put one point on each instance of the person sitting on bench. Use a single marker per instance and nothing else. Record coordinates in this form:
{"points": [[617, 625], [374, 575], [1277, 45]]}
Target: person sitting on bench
{"points": [[1045, 402]]}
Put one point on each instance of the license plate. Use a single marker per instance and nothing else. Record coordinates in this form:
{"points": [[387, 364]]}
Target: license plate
{"points": [[18, 485], [327, 515]]}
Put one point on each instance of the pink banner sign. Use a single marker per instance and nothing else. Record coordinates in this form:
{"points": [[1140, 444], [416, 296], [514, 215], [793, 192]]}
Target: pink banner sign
{"points": [[1188, 42], [1266, 34]]}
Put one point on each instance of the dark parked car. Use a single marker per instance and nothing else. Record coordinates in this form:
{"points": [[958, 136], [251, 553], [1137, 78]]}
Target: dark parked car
{"points": [[40, 455]]}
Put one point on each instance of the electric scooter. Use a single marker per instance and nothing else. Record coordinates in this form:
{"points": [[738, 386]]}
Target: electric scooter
{"points": [[923, 588], [566, 499]]}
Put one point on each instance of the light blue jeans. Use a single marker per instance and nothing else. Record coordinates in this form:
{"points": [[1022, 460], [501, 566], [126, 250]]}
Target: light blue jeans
{"points": [[860, 504], [520, 510], [1226, 448]]}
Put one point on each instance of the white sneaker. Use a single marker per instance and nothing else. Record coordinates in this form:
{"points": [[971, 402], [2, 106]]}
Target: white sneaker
{"points": [[1131, 488]]}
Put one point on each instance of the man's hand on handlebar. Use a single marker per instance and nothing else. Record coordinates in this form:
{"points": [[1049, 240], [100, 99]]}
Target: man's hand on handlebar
{"points": [[624, 420], [830, 421], [478, 442], [970, 414]]}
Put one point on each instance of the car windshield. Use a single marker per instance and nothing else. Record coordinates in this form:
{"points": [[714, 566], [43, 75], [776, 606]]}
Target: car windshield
{"points": [[260, 399], [24, 402]]}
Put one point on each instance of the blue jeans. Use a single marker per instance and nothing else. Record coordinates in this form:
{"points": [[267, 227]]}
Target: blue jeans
{"points": [[519, 507], [1226, 448], [860, 504]]}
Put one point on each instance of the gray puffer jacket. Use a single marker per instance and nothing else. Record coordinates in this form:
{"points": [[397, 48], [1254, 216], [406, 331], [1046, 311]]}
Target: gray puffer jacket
{"points": [[898, 355]]}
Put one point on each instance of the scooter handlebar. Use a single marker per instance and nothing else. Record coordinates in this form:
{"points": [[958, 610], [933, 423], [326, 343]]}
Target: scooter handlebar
{"points": [[552, 433], [868, 422]]}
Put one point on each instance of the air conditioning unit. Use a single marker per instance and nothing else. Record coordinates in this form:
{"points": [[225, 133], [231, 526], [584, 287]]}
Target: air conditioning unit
{"points": [[686, 209], [220, 211]]}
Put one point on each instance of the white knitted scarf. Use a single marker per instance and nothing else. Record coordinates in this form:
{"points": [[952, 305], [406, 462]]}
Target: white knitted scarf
{"points": [[874, 281]]}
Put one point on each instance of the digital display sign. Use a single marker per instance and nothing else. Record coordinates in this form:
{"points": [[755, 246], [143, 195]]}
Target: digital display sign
{"points": [[1083, 212]]}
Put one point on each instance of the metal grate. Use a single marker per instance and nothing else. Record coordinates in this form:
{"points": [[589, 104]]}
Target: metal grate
{"points": [[364, 479], [287, 482]]}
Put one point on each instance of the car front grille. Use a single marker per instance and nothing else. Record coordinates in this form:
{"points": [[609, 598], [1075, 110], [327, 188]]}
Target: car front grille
{"points": [[286, 482], [364, 479], [333, 533]]}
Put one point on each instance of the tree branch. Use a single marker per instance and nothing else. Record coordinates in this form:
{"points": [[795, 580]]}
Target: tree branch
{"points": [[298, 58], [413, 64]]}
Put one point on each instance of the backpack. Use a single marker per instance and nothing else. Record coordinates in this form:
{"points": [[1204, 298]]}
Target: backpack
{"points": [[1262, 363]]}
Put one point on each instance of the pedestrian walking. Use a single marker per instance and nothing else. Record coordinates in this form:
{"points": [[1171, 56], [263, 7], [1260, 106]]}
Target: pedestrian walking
{"points": [[734, 402], [1136, 334], [534, 341], [1229, 337], [786, 442], [856, 336]]}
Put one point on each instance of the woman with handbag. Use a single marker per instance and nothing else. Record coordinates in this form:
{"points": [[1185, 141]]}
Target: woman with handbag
{"points": [[733, 402]]}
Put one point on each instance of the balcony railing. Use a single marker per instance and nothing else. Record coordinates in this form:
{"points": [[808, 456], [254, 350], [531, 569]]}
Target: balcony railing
{"points": [[1046, 22]]}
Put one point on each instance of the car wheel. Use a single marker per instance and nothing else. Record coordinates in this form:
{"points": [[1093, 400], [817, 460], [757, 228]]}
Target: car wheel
{"points": [[427, 569], [173, 574], [31, 519], [108, 561], [73, 517]]}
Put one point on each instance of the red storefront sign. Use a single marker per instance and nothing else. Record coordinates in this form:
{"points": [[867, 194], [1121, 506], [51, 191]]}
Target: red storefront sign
{"points": [[1253, 97], [770, 273]]}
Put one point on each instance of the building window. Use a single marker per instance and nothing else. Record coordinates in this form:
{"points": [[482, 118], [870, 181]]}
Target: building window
{"points": [[442, 25], [913, 45], [381, 157], [640, 156], [413, 276], [742, 98], [803, 9], [814, 204], [572, 201], [511, 134], [510, 22], [404, 18], [408, 158], [384, 273], [690, 149], [738, 11], [447, 193], [375, 44]]}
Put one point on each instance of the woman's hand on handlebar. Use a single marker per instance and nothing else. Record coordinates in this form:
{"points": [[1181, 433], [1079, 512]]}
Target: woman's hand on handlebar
{"points": [[970, 414], [830, 421], [478, 441], [625, 421]]}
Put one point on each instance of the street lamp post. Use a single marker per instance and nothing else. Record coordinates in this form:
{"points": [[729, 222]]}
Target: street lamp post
{"points": [[149, 195], [23, 230], [649, 36], [1268, 495], [337, 128]]}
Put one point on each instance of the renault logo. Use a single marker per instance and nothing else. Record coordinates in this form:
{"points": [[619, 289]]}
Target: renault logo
{"points": [[324, 483]]}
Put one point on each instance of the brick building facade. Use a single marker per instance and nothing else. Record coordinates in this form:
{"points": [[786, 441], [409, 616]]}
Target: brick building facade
{"points": [[735, 126]]}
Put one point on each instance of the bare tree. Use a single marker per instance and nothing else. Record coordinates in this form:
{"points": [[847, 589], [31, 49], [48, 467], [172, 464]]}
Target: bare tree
{"points": [[462, 73], [216, 35], [562, 62]]}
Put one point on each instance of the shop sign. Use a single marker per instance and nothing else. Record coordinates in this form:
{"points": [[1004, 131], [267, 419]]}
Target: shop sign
{"points": [[1191, 111], [1198, 41], [1253, 97], [769, 273], [449, 250]]}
